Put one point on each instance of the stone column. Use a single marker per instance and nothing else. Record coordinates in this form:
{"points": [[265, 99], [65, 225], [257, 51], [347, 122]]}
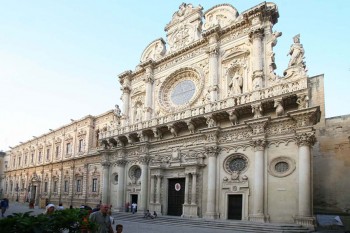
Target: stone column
{"points": [[85, 181], [60, 185], [144, 183], [125, 99], [258, 190], [212, 153], [213, 66], [194, 189], [186, 187], [105, 193], [304, 142], [257, 56], [159, 180], [151, 200], [121, 185], [71, 185], [149, 91]]}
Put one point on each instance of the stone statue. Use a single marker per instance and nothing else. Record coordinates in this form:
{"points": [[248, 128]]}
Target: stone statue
{"points": [[117, 110], [138, 113], [233, 117], [236, 84], [172, 130], [191, 127], [210, 122], [303, 101], [279, 108], [296, 52]]}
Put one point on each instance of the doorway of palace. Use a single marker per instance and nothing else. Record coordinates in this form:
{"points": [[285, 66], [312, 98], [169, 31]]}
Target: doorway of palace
{"points": [[235, 205], [176, 196], [134, 198]]}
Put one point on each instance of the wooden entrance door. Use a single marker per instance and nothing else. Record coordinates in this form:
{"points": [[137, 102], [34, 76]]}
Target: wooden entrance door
{"points": [[235, 207], [176, 196]]}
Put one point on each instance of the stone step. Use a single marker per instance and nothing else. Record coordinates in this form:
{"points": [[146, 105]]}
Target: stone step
{"points": [[242, 226]]}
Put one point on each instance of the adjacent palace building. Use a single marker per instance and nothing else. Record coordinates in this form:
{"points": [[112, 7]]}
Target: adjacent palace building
{"points": [[207, 129]]}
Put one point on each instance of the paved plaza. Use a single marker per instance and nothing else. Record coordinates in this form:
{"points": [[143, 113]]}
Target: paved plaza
{"points": [[141, 227], [133, 227]]}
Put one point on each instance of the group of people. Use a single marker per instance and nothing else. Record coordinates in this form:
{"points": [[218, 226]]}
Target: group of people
{"points": [[101, 215], [4, 205], [149, 215]]}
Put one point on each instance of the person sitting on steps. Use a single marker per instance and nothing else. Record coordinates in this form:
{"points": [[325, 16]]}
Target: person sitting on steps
{"points": [[147, 215]]}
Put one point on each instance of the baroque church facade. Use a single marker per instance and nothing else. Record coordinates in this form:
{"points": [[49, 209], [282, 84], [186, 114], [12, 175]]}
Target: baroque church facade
{"points": [[207, 129]]}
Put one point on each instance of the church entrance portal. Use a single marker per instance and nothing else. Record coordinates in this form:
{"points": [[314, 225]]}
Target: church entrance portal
{"points": [[235, 207], [176, 196]]}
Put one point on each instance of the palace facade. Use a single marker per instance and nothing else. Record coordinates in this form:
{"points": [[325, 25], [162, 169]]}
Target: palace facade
{"points": [[207, 130]]}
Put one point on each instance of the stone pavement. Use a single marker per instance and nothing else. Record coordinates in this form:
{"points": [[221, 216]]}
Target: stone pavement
{"points": [[138, 227], [133, 227]]}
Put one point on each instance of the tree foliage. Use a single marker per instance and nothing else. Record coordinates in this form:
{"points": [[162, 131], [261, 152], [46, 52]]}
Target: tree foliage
{"points": [[71, 220]]}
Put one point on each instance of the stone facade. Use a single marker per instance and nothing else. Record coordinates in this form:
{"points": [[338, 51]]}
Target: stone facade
{"points": [[206, 130]]}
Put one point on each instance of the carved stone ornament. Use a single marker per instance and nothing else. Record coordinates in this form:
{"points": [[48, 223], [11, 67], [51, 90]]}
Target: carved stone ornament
{"points": [[306, 139], [212, 151], [154, 51], [257, 110], [185, 26], [222, 15], [259, 144], [144, 159], [121, 162]]}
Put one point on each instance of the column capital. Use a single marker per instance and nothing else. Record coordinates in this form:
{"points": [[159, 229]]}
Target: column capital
{"points": [[105, 164], [126, 89], [305, 139], [213, 50], [306, 117], [258, 125], [212, 151], [121, 162], [257, 33], [144, 159], [259, 144]]}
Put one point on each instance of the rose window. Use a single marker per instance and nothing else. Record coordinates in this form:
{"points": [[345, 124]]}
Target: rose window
{"points": [[236, 163], [183, 92]]}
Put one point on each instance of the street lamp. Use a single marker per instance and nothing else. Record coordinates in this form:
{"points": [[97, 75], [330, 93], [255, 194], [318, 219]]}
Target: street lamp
{"points": [[17, 191]]}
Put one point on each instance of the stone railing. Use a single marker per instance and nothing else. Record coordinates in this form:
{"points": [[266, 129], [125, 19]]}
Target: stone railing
{"points": [[279, 89]]}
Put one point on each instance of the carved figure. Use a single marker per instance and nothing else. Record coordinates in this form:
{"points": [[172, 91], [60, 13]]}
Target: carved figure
{"points": [[210, 122], [191, 127], [275, 35], [138, 112], [117, 110], [233, 116], [172, 130], [157, 134], [296, 52], [256, 110], [236, 84], [303, 101], [279, 108]]}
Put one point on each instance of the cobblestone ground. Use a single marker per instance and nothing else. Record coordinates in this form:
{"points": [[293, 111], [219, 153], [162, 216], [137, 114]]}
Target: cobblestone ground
{"points": [[128, 226]]}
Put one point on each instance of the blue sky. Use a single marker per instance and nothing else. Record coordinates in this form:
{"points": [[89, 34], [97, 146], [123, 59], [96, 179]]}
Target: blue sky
{"points": [[59, 60]]}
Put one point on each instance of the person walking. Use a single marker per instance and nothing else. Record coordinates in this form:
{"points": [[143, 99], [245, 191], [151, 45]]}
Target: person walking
{"points": [[133, 207], [4, 206], [102, 220]]}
